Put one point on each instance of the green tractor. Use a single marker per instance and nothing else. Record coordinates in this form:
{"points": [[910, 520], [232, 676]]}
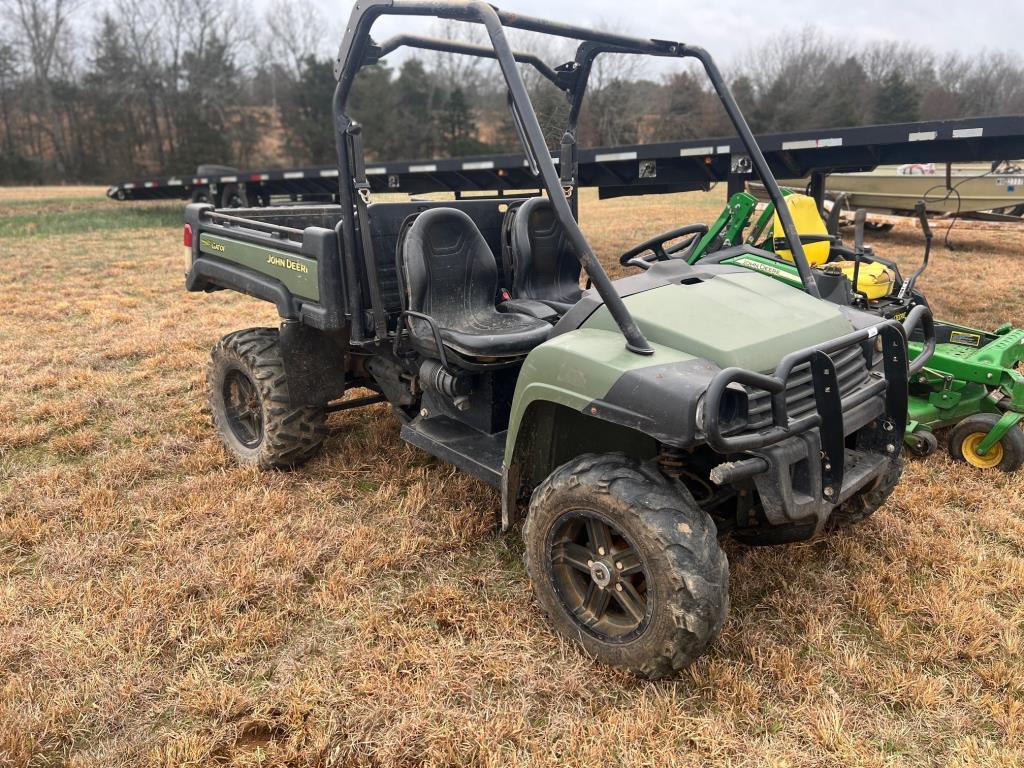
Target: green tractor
{"points": [[972, 383], [635, 422]]}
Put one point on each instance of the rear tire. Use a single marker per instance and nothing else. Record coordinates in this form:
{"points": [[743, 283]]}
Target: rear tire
{"points": [[1007, 455], [655, 594], [867, 501], [248, 396]]}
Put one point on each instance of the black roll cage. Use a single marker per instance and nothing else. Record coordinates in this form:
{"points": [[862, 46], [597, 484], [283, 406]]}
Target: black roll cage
{"points": [[358, 50]]}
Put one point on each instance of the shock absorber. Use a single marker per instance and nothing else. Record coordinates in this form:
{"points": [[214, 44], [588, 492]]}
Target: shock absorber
{"points": [[671, 461], [674, 464]]}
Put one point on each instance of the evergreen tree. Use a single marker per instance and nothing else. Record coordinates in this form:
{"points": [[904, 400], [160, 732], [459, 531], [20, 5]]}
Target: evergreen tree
{"points": [[201, 122], [413, 131], [458, 132], [744, 92], [845, 90], [896, 100], [307, 113], [107, 88], [371, 102]]}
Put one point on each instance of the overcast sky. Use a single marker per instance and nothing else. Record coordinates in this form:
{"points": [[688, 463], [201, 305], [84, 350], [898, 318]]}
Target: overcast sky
{"points": [[729, 28]]}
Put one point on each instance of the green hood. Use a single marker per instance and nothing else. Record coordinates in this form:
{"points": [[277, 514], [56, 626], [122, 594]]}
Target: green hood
{"points": [[746, 320]]}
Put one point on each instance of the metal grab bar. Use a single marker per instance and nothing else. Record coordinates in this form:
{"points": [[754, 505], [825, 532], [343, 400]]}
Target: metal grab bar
{"points": [[921, 315], [435, 331]]}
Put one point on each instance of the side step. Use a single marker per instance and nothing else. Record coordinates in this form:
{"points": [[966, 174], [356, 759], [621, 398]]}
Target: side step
{"points": [[475, 453]]}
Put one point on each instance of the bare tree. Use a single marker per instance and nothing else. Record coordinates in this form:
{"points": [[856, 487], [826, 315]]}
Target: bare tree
{"points": [[293, 33], [143, 24], [8, 73], [616, 105], [43, 24]]}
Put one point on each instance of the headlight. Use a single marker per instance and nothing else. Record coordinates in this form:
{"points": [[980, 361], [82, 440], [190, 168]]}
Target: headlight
{"points": [[732, 410]]}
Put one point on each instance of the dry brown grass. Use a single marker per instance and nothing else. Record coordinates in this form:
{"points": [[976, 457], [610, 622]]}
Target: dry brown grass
{"points": [[162, 606], [25, 194]]}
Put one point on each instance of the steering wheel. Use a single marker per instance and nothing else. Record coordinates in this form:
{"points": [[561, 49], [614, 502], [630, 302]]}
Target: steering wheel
{"points": [[656, 245]]}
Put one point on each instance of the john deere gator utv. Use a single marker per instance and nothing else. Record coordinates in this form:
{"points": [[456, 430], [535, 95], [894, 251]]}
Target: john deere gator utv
{"points": [[634, 422]]}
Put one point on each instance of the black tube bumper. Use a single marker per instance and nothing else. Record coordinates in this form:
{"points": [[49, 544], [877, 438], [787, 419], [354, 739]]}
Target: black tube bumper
{"points": [[810, 468]]}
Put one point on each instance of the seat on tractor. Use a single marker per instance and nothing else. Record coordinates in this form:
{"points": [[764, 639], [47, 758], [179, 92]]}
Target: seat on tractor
{"points": [[450, 275], [542, 262], [874, 280]]}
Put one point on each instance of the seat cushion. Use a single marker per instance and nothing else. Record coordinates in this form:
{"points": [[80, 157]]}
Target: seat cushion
{"points": [[450, 274], [561, 307], [501, 334], [544, 265]]}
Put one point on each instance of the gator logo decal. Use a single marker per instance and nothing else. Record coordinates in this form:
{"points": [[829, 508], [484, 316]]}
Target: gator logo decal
{"points": [[209, 245]]}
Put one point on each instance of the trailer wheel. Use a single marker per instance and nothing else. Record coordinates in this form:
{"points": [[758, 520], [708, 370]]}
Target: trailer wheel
{"points": [[248, 396], [626, 565], [233, 196], [868, 500], [200, 195], [1007, 455], [877, 226]]}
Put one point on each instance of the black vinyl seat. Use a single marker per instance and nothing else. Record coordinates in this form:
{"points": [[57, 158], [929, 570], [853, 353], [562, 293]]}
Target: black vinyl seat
{"points": [[543, 264], [450, 274]]}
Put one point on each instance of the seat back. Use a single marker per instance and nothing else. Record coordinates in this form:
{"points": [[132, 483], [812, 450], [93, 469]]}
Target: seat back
{"points": [[808, 221], [544, 265], [447, 268], [386, 224]]}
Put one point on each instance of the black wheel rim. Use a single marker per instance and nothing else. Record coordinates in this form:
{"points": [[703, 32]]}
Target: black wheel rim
{"points": [[243, 408], [599, 576]]}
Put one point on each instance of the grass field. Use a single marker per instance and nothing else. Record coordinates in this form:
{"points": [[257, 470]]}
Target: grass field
{"points": [[161, 606]]}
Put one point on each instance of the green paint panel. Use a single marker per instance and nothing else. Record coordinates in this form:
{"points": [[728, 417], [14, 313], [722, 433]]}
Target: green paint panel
{"points": [[297, 273], [744, 319], [576, 368], [729, 225]]}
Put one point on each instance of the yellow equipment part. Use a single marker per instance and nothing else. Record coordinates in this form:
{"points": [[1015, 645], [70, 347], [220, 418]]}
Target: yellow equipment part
{"points": [[808, 221], [874, 280]]}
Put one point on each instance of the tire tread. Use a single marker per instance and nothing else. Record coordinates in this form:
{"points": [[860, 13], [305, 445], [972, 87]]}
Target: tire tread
{"points": [[698, 570], [291, 434]]}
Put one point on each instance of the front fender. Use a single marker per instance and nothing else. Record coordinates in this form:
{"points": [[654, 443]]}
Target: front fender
{"points": [[589, 371], [583, 392]]}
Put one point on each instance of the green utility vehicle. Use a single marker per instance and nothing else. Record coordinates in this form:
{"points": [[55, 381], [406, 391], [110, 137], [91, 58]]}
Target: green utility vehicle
{"points": [[636, 421], [972, 383]]}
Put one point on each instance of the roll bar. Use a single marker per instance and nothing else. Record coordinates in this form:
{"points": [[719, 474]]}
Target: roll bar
{"points": [[357, 49], [454, 46]]}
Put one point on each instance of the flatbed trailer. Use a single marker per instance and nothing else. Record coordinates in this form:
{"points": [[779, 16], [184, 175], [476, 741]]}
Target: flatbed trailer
{"points": [[678, 166]]}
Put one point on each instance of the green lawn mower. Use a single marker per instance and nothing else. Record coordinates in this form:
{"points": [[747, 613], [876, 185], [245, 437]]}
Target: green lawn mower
{"points": [[972, 382]]}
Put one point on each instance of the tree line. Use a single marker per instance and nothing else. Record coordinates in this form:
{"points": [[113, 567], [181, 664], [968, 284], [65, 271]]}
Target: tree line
{"points": [[149, 87]]}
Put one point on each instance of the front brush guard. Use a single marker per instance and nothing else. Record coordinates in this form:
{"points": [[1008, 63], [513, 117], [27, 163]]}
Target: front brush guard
{"points": [[830, 405]]}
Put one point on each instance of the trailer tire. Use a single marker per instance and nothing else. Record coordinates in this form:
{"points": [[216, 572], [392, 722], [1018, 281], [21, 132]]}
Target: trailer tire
{"points": [[234, 196], [248, 397], [667, 597], [869, 500]]}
